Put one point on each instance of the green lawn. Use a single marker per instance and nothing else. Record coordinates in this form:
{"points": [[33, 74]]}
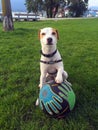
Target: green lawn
{"points": [[19, 75]]}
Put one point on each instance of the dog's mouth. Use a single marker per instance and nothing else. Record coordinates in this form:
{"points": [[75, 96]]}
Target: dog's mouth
{"points": [[49, 43]]}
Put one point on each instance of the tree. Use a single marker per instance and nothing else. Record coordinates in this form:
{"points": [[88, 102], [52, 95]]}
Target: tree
{"points": [[33, 5], [50, 6], [78, 7], [7, 16]]}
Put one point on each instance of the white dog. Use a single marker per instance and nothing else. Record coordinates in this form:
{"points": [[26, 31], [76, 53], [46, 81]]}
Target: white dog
{"points": [[51, 61]]}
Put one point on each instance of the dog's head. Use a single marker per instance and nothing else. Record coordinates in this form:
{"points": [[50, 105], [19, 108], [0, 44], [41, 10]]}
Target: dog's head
{"points": [[48, 36]]}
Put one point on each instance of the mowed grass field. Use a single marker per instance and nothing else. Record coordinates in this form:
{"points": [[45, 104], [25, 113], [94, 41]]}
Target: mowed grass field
{"points": [[19, 75]]}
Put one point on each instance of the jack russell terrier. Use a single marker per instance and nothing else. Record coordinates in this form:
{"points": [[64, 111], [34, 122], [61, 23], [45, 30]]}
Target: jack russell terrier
{"points": [[51, 64]]}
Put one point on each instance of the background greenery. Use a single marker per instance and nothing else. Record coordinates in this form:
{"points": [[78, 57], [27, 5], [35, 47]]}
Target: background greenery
{"points": [[19, 75], [75, 7]]}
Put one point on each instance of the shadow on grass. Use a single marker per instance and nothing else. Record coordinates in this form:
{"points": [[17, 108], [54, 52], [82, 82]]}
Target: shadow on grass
{"points": [[24, 31], [21, 32]]}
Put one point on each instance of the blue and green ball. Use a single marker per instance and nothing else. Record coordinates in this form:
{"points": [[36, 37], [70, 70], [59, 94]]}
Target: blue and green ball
{"points": [[57, 100]]}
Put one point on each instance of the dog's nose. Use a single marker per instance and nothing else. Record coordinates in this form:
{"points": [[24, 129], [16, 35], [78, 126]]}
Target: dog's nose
{"points": [[49, 40]]}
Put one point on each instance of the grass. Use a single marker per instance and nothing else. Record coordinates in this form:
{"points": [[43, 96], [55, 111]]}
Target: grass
{"points": [[19, 75]]}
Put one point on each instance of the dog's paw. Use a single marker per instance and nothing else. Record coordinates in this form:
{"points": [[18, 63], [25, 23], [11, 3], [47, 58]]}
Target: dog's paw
{"points": [[65, 75], [37, 102], [40, 86], [58, 80]]}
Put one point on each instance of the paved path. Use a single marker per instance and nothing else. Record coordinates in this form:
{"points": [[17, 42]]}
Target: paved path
{"points": [[55, 19]]}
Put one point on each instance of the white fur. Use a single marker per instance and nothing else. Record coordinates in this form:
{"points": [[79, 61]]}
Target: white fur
{"points": [[50, 68], [48, 49]]}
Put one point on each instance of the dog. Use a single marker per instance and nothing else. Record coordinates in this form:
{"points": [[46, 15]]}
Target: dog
{"points": [[51, 64]]}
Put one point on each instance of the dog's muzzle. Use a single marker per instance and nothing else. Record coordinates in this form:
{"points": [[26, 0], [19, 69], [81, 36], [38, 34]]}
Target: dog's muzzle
{"points": [[49, 41]]}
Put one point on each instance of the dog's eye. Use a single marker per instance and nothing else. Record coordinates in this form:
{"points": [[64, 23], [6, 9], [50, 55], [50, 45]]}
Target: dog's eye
{"points": [[43, 34], [53, 33]]}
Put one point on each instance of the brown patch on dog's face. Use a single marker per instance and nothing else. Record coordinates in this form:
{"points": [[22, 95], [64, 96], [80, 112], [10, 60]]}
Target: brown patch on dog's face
{"points": [[39, 34], [42, 35], [55, 32]]}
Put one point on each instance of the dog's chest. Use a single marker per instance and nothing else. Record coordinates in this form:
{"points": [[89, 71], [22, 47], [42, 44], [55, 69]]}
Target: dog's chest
{"points": [[52, 70], [50, 65]]}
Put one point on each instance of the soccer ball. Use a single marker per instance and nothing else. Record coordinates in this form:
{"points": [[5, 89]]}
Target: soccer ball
{"points": [[57, 100]]}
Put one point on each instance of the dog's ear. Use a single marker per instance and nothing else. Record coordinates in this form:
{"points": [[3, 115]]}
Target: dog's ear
{"points": [[39, 34], [57, 34]]}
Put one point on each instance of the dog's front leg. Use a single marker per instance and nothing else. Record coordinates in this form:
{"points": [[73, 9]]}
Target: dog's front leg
{"points": [[59, 77], [42, 79]]}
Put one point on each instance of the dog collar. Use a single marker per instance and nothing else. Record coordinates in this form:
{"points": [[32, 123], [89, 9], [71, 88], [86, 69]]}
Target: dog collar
{"points": [[51, 62], [48, 55]]}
